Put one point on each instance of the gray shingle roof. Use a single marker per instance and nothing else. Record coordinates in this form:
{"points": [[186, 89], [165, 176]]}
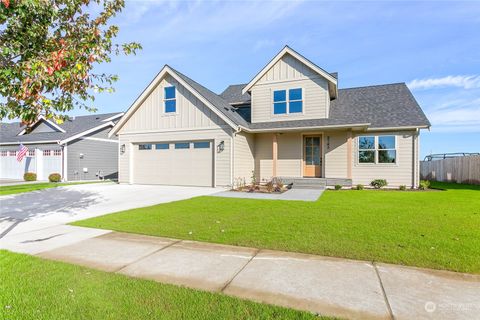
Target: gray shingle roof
{"points": [[9, 131], [220, 103], [382, 106], [233, 94]]}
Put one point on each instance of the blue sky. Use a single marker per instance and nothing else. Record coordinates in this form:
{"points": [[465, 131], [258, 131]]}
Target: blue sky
{"points": [[433, 46]]}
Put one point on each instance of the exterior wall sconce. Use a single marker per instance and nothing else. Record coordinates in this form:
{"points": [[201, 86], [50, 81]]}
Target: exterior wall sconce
{"points": [[221, 146], [122, 149]]}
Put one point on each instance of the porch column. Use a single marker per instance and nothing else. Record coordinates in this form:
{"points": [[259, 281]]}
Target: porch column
{"points": [[349, 154], [274, 155]]}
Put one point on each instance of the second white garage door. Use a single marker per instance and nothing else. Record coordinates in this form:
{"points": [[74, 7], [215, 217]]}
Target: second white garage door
{"points": [[184, 163]]}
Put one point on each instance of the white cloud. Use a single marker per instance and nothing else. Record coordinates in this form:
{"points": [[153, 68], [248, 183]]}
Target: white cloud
{"points": [[460, 81]]}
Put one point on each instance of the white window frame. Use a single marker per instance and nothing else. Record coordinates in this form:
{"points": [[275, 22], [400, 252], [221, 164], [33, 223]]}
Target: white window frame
{"points": [[375, 150], [287, 101]]}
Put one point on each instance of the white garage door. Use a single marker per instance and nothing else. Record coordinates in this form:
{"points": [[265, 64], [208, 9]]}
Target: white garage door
{"points": [[184, 163], [42, 162]]}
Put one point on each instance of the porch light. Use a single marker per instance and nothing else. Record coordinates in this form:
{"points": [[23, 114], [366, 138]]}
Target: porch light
{"points": [[221, 146], [122, 149]]}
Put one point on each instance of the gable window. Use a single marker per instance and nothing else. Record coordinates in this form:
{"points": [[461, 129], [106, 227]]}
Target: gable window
{"points": [[170, 100], [377, 149], [146, 146], [294, 101], [280, 102]]}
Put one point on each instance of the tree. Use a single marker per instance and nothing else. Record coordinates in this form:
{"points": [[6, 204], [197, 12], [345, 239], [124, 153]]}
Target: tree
{"points": [[48, 49]]}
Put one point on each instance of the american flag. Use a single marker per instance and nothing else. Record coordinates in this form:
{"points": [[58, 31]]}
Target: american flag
{"points": [[22, 151]]}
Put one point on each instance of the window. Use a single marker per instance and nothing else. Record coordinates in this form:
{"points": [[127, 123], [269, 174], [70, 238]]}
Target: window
{"points": [[12, 153], [46, 152], [170, 100], [4, 153], [162, 146], [182, 145], [201, 145], [31, 153], [386, 149], [146, 146], [380, 149], [295, 104], [280, 102], [57, 152], [294, 101]]}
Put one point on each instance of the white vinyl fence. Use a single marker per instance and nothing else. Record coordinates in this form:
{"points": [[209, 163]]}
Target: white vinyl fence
{"points": [[459, 169]]}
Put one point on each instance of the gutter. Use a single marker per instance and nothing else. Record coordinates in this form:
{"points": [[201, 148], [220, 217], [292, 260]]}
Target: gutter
{"points": [[29, 142], [356, 125], [399, 128]]}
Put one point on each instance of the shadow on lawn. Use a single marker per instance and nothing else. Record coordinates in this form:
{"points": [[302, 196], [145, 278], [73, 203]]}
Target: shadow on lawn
{"points": [[454, 186]]}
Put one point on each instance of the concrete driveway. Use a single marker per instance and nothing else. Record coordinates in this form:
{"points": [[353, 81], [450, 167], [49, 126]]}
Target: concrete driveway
{"points": [[40, 209]]}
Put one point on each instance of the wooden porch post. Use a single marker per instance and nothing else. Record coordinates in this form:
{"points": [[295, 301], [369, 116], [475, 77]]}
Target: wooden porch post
{"points": [[274, 155], [349, 154]]}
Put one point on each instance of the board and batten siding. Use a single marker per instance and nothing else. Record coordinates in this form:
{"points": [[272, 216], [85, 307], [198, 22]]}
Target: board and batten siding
{"points": [[289, 73], [400, 173], [244, 156], [222, 160], [190, 111]]}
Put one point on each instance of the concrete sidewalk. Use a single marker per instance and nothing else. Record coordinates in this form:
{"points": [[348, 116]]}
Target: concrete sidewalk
{"points": [[327, 286]]}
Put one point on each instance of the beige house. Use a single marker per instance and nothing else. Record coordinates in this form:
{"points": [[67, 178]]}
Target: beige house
{"points": [[291, 121]]}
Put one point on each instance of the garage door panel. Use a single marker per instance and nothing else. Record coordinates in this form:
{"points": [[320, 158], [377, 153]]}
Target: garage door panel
{"points": [[189, 167]]}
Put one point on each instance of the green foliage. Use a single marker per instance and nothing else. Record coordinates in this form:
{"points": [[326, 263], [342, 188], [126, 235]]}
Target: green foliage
{"points": [[360, 186], [30, 176], [253, 178], [48, 49], [55, 177], [402, 187], [378, 183], [424, 185], [338, 187]]}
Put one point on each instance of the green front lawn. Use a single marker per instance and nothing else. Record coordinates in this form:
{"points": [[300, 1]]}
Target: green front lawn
{"points": [[434, 229], [32, 288], [21, 188]]}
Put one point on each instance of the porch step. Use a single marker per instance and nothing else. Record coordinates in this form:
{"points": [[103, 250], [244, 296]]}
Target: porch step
{"points": [[315, 183]]}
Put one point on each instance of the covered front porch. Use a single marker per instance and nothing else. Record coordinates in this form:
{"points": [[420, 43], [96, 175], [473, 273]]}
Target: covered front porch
{"points": [[305, 158]]}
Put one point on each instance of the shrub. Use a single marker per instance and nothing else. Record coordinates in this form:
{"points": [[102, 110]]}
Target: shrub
{"points": [[360, 187], [402, 187], [378, 183], [424, 184], [30, 176], [55, 177], [278, 182], [269, 185], [338, 187]]}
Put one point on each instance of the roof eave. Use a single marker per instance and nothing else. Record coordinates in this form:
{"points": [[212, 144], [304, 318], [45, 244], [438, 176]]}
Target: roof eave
{"points": [[300, 128]]}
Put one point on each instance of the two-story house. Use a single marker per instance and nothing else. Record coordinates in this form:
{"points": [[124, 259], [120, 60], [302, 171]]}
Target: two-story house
{"points": [[291, 120]]}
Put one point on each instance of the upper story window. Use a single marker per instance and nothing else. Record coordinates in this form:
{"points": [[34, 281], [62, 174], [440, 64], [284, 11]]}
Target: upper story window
{"points": [[377, 149], [170, 100], [283, 104]]}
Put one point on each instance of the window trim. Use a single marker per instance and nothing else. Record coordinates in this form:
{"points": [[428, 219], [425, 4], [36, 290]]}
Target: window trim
{"points": [[376, 149], [165, 112], [287, 101]]}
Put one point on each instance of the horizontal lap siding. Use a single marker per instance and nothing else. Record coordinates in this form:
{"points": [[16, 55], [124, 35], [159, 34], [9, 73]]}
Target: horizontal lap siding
{"points": [[223, 165], [335, 148], [285, 74], [397, 174], [244, 156]]}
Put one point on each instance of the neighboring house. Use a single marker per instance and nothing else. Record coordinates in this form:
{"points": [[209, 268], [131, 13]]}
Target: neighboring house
{"points": [[78, 149], [290, 120]]}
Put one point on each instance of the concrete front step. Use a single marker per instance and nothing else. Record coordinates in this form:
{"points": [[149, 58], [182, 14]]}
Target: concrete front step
{"points": [[316, 183]]}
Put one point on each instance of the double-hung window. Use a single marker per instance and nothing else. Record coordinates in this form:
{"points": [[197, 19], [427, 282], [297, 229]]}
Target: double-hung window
{"points": [[291, 103], [170, 100], [377, 149]]}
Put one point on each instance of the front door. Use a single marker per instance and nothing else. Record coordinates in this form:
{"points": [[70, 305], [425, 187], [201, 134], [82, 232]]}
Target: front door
{"points": [[312, 161]]}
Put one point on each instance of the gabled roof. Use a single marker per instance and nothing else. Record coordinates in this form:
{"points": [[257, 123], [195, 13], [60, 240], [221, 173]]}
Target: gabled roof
{"points": [[75, 126], [287, 50], [216, 103], [378, 107]]}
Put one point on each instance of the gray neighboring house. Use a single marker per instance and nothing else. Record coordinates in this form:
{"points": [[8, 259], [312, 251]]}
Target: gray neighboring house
{"points": [[78, 149], [290, 121]]}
